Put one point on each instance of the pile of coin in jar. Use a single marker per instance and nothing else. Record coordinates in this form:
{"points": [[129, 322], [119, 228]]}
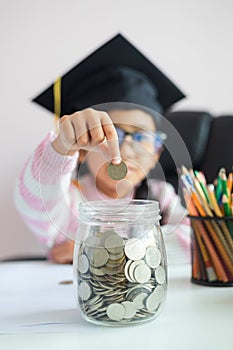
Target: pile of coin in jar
{"points": [[120, 280]]}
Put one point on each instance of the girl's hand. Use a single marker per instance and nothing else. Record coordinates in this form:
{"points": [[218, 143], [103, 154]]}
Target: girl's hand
{"points": [[62, 253], [88, 130]]}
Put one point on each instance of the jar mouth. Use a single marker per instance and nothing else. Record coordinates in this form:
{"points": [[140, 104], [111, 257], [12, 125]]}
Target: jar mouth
{"points": [[120, 210], [120, 205]]}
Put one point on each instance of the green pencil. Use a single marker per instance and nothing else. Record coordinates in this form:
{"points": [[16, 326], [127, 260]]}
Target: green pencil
{"points": [[227, 212], [223, 179]]}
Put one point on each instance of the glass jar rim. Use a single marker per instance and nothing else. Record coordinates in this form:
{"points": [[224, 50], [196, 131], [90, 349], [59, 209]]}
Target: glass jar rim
{"points": [[121, 209]]}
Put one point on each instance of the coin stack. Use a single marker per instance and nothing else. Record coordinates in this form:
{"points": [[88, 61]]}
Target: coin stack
{"points": [[120, 280]]}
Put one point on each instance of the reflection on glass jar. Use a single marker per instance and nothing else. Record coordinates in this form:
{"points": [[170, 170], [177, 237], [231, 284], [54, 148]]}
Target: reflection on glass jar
{"points": [[120, 262]]}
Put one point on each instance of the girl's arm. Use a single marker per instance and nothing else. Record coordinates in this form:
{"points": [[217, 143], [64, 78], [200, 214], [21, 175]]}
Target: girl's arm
{"points": [[45, 196]]}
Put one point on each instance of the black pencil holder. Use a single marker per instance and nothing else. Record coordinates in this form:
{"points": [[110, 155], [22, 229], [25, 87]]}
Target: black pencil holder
{"points": [[212, 250]]}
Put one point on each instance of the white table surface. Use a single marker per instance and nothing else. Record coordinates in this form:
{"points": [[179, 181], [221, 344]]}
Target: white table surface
{"points": [[36, 312]]}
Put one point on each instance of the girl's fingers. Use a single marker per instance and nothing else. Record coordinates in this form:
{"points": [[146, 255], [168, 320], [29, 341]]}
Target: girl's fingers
{"points": [[91, 130], [94, 125], [88, 129], [104, 148], [112, 139], [82, 137], [96, 135], [67, 132]]}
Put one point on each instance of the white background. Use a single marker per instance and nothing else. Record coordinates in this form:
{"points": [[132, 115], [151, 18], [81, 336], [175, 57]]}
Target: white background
{"points": [[190, 40]]}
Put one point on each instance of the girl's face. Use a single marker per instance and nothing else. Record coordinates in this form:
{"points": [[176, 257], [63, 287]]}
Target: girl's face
{"points": [[138, 154]]}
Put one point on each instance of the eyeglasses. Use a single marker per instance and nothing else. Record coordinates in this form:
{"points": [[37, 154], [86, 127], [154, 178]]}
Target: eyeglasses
{"points": [[143, 137]]}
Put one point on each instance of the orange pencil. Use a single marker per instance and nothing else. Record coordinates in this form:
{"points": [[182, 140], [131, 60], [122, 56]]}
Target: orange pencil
{"points": [[213, 200], [202, 197], [197, 204], [195, 267], [230, 182]]}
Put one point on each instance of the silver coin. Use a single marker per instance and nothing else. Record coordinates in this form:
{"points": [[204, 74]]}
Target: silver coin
{"points": [[117, 171], [159, 290], [142, 273], [98, 256], [132, 292], [95, 283], [132, 268], [141, 315], [84, 291], [111, 272], [118, 299], [83, 263], [126, 269], [102, 309], [139, 299], [152, 302], [96, 299], [114, 244], [130, 309], [116, 256], [116, 263], [119, 278], [92, 242], [100, 314], [150, 240], [160, 274], [153, 256], [96, 271], [96, 306], [134, 249], [115, 311], [104, 235]]}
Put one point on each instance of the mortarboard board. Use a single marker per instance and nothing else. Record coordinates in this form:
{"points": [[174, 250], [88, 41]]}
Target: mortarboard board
{"points": [[115, 72]]}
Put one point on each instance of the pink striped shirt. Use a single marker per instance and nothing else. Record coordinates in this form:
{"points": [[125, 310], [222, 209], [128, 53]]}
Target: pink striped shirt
{"points": [[48, 201]]}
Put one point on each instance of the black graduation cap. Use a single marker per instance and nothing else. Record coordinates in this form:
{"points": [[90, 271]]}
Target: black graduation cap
{"points": [[115, 72]]}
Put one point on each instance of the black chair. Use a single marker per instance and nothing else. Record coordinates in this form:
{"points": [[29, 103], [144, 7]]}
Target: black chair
{"points": [[219, 151], [207, 139]]}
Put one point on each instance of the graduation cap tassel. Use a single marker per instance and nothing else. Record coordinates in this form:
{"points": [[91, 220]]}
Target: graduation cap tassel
{"points": [[57, 102]]}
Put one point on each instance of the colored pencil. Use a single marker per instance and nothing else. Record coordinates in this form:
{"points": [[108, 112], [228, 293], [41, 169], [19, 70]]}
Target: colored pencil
{"points": [[213, 237]]}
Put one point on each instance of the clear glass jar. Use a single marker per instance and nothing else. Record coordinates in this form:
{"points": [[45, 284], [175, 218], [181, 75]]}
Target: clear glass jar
{"points": [[120, 268]]}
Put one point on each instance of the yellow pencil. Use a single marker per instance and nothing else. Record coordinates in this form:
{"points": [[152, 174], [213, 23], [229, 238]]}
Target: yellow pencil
{"points": [[216, 209], [202, 197]]}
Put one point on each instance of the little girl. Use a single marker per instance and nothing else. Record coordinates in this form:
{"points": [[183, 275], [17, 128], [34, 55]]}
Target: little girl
{"points": [[47, 195]]}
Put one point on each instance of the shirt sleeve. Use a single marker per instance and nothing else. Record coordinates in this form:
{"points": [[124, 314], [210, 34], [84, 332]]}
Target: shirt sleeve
{"points": [[45, 196]]}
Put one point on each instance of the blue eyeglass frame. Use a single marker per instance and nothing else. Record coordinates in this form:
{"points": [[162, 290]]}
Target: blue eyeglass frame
{"points": [[159, 137]]}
